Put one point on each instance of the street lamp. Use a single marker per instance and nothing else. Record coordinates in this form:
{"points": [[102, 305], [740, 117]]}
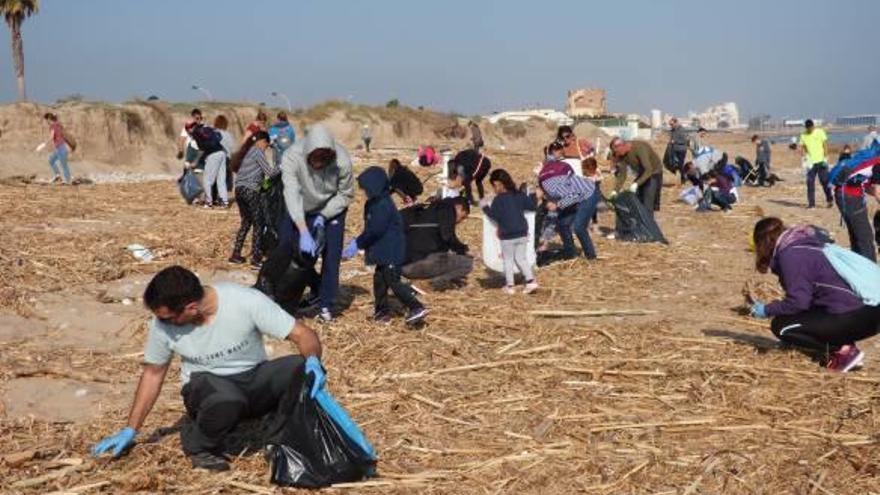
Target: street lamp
{"points": [[204, 91], [285, 98]]}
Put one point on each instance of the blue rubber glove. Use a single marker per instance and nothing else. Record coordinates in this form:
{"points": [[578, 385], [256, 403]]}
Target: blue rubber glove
{"points": [[307, 243], [313, 366], [759, 310], [351, 250], [319, 222], [118, 442]]}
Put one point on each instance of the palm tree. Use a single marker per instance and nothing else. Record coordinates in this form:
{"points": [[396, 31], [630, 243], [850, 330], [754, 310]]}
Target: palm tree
{"points": [[15, 12]]}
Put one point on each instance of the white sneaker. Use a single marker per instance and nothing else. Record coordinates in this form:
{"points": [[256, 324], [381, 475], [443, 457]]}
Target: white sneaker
{"points": [[325, 315], [509, 290], [530, 287]]}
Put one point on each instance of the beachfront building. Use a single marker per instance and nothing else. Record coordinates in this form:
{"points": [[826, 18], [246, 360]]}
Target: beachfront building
{"points": [[547, 114], [723, 116], [586, 103], [858, 120]]}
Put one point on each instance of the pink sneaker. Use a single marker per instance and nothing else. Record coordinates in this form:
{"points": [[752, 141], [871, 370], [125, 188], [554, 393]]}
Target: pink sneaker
{"points": [[846, 359], [530, 287], [509, 290]]}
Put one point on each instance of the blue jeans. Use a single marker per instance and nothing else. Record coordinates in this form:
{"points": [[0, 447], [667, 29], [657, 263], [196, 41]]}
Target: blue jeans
{"points": [[331, 255], [578, 219], [60, 154], [821, 170]]}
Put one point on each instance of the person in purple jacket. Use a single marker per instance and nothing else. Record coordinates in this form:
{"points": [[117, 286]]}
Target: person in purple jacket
{"points": [[819, 311]]}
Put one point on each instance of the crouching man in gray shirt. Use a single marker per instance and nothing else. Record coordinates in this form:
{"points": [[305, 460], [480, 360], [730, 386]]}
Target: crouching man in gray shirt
{"points": [[218, 333]]}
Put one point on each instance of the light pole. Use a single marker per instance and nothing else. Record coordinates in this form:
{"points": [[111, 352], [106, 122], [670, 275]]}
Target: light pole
{"points": [[283, 97], [204, 91]]}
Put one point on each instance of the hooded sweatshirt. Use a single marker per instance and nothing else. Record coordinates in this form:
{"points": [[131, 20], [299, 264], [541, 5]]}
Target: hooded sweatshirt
{"points": [[382, 238], [809, 280], [327, 191]]}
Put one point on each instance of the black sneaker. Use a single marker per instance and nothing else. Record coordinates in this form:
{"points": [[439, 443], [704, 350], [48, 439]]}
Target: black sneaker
{"points": [[416, 315], [382, 316], [309, 301], [209, 462], [237, 259]]}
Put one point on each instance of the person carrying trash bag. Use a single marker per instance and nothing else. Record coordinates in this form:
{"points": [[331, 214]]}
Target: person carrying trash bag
{"points": [[641, 158], [832, 295], [218, 333], [318, 188]]}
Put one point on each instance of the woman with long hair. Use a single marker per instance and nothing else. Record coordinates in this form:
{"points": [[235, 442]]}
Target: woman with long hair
{"points": [[252, 167], [404, 182], [820, 311]]}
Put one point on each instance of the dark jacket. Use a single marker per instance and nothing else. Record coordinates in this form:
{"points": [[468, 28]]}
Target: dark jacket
{"points": [[405, 182], [678, 136], [508, 211], [763, 151], [430, 229], [809, 280], [383, 237]]}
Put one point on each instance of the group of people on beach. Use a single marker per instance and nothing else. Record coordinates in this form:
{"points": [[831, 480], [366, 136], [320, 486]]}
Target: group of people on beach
{"points": [[831, 300]]}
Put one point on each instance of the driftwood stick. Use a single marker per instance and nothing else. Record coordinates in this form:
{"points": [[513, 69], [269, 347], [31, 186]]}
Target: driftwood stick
{"points": [[548, 313]]}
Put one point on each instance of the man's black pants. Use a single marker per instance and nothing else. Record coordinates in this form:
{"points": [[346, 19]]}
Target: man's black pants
{"points": [[443, 269], [216, 404]]}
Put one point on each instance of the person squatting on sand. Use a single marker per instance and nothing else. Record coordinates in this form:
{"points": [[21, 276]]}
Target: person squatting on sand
{"points": [[508, 211], [820, 311], [384, 242], [433, 250], [218, 333]]}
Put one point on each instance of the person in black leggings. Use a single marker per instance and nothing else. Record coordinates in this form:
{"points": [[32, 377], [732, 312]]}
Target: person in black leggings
{"points": [[820, 311]]}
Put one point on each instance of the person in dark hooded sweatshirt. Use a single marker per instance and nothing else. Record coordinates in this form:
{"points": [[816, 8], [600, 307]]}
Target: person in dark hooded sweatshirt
{"points": [[820, 311], [385, 245], [318, 188]]}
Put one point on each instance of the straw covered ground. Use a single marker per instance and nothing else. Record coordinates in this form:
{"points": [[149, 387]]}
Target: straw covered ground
{"points": [[672, 392]]}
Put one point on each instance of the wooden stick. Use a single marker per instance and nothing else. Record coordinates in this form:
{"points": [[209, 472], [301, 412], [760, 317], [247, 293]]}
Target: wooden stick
{"points": [[81, 488], [596, 313], [71, 374], [535, 350], [635, 426], [249, 487], [39, 480]]}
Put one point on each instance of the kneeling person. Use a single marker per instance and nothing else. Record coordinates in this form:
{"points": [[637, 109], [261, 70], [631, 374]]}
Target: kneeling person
{"points": [[218, 333], [433, 250]]}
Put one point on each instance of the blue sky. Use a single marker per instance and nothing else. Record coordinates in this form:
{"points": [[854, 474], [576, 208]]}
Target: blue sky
{"points": [[783, 57]]}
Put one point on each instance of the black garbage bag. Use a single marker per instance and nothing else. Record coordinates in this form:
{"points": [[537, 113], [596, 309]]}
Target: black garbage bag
{"points": [[309, 449], [272, 204], [634, 223], [669, 162]]}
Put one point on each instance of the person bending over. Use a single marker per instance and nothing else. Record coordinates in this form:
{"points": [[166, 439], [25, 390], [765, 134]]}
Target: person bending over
{"points": [[820, 311], [218, 333], [433, 250]]}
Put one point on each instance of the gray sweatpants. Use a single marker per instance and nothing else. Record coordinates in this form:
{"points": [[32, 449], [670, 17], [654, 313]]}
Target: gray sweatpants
{"points": [[514, 251], [215, 171]]}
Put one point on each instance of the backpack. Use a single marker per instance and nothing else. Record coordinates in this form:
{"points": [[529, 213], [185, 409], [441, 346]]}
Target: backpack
{"points": [[207, 139], [851, 171], [862, 274]]}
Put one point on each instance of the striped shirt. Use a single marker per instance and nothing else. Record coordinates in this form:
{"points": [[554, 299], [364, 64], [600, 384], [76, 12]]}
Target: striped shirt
{"points": [[567, 190], [254, 168]]}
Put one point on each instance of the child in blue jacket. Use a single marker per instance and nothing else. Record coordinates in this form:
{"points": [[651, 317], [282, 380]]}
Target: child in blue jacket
{"points": [[384, 241], [508, 211]]}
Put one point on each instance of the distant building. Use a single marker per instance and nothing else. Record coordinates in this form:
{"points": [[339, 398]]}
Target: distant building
{"points": [[548, 114], [801, 122], [858, 120], [723, 116], [586, 102]]}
